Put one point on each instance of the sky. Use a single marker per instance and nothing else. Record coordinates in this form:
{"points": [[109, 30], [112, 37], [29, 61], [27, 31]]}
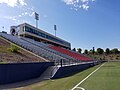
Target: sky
{"points": [[83, 23]]}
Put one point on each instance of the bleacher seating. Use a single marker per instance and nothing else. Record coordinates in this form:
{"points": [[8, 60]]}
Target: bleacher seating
{"points": [[46, 47], [71, 53], [48, 52]]}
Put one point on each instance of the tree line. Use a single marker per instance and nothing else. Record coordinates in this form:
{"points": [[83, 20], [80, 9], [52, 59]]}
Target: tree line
{"points": [[99, 51]]}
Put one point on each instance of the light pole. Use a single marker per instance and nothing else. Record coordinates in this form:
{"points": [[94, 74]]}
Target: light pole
{"points": [[36, 18], [55, 28]]}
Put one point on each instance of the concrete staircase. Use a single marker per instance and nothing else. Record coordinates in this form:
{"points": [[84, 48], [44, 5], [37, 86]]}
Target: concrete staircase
{"points": [[49, 73]]}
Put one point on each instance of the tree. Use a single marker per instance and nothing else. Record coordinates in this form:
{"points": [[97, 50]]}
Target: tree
{"points": [[115, 51], [86, 51], [100, 51], [91, 51], [79, 50], [74, 49], [107, 51]]}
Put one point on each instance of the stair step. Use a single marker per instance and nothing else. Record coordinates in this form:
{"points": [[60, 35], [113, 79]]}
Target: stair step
{"points": [[50, 72]]}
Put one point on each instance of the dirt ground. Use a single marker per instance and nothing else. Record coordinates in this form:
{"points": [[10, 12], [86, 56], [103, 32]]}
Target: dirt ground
{"points": [[20, 57]]}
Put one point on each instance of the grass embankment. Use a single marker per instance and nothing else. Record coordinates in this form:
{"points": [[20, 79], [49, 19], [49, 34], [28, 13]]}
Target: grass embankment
{"points": [[6, 54]]}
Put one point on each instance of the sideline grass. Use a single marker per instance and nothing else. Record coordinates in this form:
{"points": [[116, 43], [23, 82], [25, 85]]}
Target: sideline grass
{"points": [[107, 78], [60, 84]]}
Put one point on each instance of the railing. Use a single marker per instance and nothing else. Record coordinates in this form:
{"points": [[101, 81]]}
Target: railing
{"points": [[54, 70]]}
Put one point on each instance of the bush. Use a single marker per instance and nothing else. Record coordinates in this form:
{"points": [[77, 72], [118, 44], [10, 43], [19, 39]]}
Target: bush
{"points": [[14, 48]]}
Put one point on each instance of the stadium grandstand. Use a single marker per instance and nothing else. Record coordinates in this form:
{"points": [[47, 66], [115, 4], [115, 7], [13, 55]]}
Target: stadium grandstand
{"points": [[43, 44], [29, 31]]}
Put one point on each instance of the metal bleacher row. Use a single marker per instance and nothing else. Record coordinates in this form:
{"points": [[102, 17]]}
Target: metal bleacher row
{"points": [[41, 49], [68, 54], [46, 47], [71, 53]]}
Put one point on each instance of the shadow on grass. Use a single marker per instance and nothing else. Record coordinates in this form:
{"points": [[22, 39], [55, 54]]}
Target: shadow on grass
{"points": [[21, 84]]}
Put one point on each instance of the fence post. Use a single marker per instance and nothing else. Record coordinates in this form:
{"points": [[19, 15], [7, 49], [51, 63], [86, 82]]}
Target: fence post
{"points": [[61, 61]]}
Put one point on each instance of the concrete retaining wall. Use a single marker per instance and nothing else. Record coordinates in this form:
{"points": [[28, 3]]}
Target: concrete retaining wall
{"points": [[10, 73], [69, 70]]}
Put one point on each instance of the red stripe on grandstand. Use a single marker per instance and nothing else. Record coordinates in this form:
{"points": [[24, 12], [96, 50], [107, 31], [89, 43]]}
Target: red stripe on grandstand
{"points": [[70, 53]]}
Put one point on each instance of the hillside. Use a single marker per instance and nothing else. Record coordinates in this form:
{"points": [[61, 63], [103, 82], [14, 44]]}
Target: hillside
{"points": [[105, 57], [20, 57]]}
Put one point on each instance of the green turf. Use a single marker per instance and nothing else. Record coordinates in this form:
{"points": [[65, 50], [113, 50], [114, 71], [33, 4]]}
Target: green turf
{"points": [[3, 62], [60, 84], [106, 78]]}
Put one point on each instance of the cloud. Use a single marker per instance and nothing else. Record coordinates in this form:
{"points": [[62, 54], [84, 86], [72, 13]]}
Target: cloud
{"points": [[20, 17], [13, 3], [78, 4], [14, 18], [25, 11], [22, 2]]}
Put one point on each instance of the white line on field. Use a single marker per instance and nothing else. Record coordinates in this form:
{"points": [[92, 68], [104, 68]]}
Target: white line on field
{"points": [[80, 88], [87, 77]]}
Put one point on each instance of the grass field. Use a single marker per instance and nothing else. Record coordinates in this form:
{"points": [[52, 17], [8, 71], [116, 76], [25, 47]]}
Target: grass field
{"points": [[106, 78]]}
